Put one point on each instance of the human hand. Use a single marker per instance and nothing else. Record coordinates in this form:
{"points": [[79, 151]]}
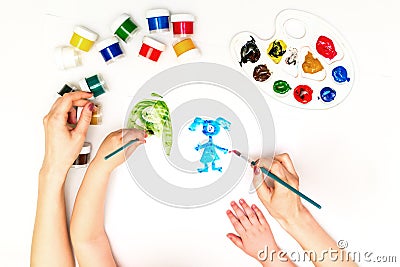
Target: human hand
{"points": [[281, 203], [63, 143], [114, 141], [253, 230]]}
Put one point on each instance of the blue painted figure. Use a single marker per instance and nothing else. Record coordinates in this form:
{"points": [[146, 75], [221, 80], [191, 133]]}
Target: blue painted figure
{"points": [[210, 129]]}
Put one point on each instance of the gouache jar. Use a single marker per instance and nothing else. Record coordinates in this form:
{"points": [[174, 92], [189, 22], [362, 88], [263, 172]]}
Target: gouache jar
{"points": [[158, 20], [151, 49], [67, 57], [67, 88], [97, 115], [94, 84], [110, 50], [124, 27], [182, 24], [83, 159], [185, 49], [83, 38]]}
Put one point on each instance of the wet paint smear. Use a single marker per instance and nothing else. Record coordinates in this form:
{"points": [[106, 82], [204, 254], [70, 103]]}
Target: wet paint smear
{"points": [[311, 65], [249, 52], [210, 128], [327, 94], [276, 50], [303, 94], [340, 74], [292, 59], [281, 87], [325, 47], [261, 73]]}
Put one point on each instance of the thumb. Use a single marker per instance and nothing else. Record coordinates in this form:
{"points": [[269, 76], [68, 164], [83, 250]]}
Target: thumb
{"points": [[263, 191], [236, 240], [84, 120]]}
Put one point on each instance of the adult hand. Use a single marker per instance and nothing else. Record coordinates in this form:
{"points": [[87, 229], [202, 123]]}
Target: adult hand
{"points": [[63, 142], [281, 203], [114, 141]]}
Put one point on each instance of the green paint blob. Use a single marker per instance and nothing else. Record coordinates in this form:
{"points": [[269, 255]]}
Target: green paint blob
{"points": [[126, 29], [281, 87]]}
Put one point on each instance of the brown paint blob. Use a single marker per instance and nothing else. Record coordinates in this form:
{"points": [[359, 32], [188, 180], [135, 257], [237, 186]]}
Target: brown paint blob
{"points": [[261, 73]]}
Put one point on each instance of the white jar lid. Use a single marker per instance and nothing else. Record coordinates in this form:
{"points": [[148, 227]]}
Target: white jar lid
{"points": [[83, 85], [86, 33], [153, 43], [87, 147], [118, 22], [182, 17], [188, 55], [153, 13], [106, 43], [64, 57]]}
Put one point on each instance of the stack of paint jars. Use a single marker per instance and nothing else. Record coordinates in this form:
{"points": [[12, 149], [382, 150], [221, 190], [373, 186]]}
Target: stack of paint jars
{"points": [[158, 21]]}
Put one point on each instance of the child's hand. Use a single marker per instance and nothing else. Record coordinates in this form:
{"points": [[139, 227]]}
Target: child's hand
{"points": [[114, 141], [253, 229], [282, 204]]}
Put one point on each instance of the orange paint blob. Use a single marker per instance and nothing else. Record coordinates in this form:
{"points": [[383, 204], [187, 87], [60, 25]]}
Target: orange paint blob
{"points": [[311, 65]]}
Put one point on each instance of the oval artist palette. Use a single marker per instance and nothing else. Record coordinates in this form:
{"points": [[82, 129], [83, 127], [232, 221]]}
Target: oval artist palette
{"points": [[306, 64]]}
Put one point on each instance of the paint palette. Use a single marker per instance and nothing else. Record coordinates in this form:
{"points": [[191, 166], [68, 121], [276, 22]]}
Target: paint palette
{"points": [[306, 64]]}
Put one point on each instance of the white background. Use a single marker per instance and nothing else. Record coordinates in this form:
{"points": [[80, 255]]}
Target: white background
{"points": [[347, 157]]}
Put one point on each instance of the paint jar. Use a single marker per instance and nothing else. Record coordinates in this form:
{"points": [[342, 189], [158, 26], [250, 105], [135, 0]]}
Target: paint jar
{"points": [[185, 49], [94, 84], [182, 24], [158, 20], [83, 159], [83, 38], [110, 50], [151, 49], [67, 88], [67, 57], [124, 27], [97, 115]]}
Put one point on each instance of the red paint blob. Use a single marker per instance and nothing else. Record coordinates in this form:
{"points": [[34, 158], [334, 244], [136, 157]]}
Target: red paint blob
{"points": [[150, 52], [183, 27], [303, 94], [326, 47]]}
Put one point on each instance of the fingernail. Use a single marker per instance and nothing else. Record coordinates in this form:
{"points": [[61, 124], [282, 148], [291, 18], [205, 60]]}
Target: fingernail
{"points": [[228, 212], [253, 206], [91, 107], [233, 203], [257, 170], [241, 201]]}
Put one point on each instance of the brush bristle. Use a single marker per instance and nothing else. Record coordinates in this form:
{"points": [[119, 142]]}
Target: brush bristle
{"points": [[237, 153]]}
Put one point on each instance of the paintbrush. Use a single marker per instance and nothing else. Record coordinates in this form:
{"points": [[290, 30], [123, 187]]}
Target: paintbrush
{"points": [[277, 179], [121, 148]]}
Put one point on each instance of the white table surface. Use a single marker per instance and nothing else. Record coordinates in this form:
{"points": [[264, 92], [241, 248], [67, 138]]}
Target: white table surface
{"points": [[346, 156]]}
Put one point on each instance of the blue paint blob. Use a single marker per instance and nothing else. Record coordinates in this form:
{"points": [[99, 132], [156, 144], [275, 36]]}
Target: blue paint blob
{"points": [[158, 23], [112, 51], [327, 94], [340, 74], [210, 129]]}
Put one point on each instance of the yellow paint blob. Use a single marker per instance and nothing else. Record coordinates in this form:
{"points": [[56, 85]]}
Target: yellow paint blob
{"points": [[311, 65], [81, 42], [183, 46], [276, 49]]}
